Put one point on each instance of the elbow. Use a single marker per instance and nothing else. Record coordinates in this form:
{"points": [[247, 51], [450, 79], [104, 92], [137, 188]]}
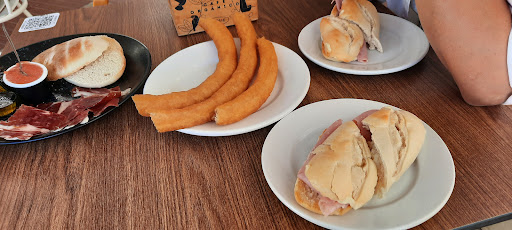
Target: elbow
{"points": [[485, 97]]}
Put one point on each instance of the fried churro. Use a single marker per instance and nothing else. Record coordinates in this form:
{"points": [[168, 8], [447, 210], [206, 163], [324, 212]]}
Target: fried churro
{"points": [[202, 112], [226, 50], [253, 98]]}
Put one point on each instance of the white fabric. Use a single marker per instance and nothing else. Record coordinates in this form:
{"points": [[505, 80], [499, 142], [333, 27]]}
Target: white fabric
{"points": [[399, 7]]}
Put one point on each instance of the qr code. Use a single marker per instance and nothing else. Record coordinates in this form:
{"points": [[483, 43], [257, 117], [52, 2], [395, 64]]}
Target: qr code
{"points": [[39, 22]]}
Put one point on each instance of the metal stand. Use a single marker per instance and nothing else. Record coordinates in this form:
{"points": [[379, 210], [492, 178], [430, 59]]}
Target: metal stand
{"points": [[10, 9]]}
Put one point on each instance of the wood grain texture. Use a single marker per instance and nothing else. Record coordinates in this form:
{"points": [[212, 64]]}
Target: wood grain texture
{"points": [[40, 7], [119, 173]]}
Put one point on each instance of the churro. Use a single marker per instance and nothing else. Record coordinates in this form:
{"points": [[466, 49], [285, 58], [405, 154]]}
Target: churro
{"points": [[226, 50], [253, 98], [202, 112]]}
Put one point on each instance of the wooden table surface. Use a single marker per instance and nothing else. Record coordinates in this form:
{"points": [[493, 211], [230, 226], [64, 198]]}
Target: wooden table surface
{"points": [[118, 172]]}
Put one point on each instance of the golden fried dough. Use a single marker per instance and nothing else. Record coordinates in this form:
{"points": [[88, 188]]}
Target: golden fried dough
{"points": [[226, 49], [202, 112], [253, 98]]}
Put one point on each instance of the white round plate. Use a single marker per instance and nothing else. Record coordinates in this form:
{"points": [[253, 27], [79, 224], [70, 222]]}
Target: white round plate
{"points": [[404, 45], [419, 194], [189, 67]]}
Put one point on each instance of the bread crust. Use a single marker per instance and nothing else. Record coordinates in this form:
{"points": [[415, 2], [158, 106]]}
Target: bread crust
{"points": [[340, 170], [105, 70], [397, 138], [308, 199], [363, 14], [341, 40], [69, 57]]}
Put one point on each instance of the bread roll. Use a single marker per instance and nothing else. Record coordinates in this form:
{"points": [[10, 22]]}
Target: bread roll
{"points": [[67, 58], [341, 170], [397, 138], [345, 32], [363, 14], [341, 40], [105, 70]]}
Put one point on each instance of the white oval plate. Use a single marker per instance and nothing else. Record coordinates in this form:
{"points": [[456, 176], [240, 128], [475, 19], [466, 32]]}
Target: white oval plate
{"points": [[404, 45], [189, 67], [419, 194]]}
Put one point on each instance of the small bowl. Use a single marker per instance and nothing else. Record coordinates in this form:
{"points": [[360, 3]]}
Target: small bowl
{"points": [[33, 92], [7, 103]]}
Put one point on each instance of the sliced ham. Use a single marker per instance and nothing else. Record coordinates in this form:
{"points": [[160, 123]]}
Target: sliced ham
{"points": [[28, 121], [110, 97], [86, 92], [99, 108], [338, 4], [363, 54], [327, 206], [358, 120], [28, 115], [19, 132]]}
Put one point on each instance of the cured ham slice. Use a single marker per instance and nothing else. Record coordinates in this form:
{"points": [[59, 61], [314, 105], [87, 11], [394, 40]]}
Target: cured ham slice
{"points": [[110, 97], [85, 92], [28, 121], [19, 132], [98, 109], [28, 115]]}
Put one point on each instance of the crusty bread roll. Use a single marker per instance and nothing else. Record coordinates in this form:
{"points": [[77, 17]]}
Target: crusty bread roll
{"points": [[345, 32], [310, 199], [341, 169], [68, 57], [363, 14], [105, 70], [341, 40], [91, 61], [397, 138]]}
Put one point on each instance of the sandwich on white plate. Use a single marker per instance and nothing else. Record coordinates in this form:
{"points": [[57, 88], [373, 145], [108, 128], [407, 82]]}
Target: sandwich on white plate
{"points": [[350, 30], [354, 160]]}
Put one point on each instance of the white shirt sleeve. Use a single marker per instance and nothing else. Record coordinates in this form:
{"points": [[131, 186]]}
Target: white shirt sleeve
{"points": [[399, 7]]}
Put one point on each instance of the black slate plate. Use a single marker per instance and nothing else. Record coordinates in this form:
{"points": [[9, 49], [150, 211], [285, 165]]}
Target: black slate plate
{"points": [[138, 66]]}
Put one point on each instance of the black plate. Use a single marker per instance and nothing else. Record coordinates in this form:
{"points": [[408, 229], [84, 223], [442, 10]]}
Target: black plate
{"points": [[138, 66]]}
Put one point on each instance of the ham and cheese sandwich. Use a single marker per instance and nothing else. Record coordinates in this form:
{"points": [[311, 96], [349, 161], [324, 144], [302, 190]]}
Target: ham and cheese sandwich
{"points": [[345, 32], [339, 174], [357, 159]]}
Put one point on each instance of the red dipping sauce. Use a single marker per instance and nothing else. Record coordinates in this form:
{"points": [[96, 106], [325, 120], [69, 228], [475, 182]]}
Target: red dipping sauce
{"points": [[32, 70]]}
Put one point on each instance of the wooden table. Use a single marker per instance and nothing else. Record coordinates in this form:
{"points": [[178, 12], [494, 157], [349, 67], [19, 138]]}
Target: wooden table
{"points": [[118, 172]]}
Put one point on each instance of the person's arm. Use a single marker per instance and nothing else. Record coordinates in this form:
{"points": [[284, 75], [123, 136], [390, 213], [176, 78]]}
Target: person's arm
{"points": [[470, 38]]}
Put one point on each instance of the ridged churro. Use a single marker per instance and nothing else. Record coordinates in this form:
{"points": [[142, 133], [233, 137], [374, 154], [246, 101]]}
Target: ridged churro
{"points": [[253, 98], [226, 50], [202, 112]]}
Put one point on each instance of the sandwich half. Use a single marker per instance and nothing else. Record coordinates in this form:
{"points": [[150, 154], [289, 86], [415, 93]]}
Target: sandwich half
{"points": [[345, 32], [396, 140], [339, 174]]}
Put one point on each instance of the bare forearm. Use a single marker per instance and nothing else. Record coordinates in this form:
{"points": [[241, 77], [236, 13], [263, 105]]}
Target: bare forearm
{"points": [[470, 38]]}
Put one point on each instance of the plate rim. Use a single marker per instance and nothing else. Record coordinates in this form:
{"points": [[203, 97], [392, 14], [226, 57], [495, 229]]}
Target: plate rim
{"points": [[147, 71], [366, 72], [261, 124], [308, 216]]}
